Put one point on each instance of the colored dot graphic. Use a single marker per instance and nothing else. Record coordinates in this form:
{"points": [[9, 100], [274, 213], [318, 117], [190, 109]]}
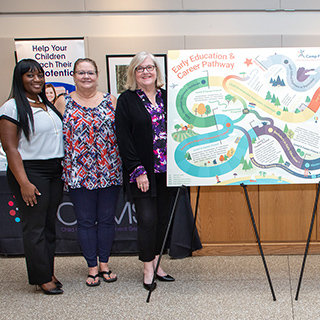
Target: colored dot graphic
{"points": [[12, 212]]}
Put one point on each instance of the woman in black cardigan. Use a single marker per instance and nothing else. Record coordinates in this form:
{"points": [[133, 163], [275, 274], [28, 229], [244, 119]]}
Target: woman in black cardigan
{"points": [[141, 132]]}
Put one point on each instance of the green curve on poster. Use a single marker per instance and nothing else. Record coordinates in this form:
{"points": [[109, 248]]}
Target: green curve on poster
{"points": [[181, 104]]}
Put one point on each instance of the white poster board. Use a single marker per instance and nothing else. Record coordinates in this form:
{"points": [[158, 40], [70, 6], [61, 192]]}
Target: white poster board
{"points": [[56, 56], [243, 116]]}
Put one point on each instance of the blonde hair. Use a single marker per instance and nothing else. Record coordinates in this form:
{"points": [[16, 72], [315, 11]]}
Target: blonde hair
{"points": [[135, 62]]}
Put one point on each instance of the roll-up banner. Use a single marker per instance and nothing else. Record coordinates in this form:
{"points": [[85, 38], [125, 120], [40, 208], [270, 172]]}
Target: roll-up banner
{"points": [[56, 56]]}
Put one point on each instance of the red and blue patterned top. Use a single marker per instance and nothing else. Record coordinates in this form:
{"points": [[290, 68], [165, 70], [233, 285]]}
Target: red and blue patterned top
{"points": [[91, 156], [158, 120]]}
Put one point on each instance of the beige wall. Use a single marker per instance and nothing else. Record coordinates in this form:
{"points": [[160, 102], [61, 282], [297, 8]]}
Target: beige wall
{"points": [[126, 26]]}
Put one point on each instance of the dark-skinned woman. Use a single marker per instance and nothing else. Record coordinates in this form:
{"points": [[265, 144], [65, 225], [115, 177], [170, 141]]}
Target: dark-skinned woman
{"points": [[31, 136]]}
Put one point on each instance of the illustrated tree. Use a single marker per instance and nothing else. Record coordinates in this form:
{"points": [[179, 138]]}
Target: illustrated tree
{"points": [[195, 109], [228, 98], [208, 109], [190, 126], [308, 99], [245, 166], [187, 156], [177, 127], [250, 166], [201, 109], [242, 160], [277, 102], [268, 96], [280, 159], [285, 130], [273, 99]]}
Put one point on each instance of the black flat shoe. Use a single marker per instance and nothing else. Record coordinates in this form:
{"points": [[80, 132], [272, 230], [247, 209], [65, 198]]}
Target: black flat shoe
{"points": [[150, 287], [58, 284], [55, 290], [165, 278]]}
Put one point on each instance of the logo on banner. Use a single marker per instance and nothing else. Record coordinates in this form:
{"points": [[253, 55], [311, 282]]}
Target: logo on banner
{"points": [[13, 211], [131, 218], [63, 213]]}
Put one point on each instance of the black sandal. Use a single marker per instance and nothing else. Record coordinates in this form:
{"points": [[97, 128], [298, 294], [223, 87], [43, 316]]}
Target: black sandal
{"points": [[108, 273], [93, 284]]}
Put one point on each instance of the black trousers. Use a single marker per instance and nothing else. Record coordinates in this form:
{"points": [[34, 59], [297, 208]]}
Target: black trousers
{"points": [[39, 221], [153, 215]]}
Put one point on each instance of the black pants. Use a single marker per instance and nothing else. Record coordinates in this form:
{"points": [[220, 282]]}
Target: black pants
{"points": [[38, 222], [153, 215]]}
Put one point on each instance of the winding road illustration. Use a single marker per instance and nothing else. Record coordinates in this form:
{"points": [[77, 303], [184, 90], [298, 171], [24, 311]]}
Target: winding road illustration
{"points": [[297, 79]]}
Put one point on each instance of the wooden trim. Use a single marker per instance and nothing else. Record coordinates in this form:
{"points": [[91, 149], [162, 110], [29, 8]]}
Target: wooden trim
{"points": [[253, 249]]}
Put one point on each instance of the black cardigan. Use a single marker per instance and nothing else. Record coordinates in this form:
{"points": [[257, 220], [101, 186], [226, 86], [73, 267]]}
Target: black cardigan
{"points": [[135, 139]]}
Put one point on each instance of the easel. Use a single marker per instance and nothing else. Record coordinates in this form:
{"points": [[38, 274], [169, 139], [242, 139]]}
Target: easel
{"points": [[255, 230], [308, 241], [258, 239], [165, 239], [193, 233]]}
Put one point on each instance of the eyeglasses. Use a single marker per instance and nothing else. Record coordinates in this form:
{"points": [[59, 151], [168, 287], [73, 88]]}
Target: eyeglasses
{"points": [[148, 68], [89, 73]]}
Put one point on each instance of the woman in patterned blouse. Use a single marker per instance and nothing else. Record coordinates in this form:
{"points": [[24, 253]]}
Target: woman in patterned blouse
{"points": [[91, 167], [142, 137]]}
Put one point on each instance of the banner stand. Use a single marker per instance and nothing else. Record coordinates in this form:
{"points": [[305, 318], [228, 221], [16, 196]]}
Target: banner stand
{"points": [[165, 239], [258, 239], [308, 240]]}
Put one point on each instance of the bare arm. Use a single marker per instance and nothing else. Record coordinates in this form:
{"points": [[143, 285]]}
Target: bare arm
{"points": [[9, 136]]}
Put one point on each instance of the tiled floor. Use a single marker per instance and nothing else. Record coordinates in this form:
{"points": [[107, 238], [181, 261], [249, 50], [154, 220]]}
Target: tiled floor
{"points": [[205, 288]]}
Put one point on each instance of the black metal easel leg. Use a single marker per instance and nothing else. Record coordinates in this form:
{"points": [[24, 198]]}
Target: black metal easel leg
{"points": [[258, 239], [164, 240], [308, 240], [195, 221]]}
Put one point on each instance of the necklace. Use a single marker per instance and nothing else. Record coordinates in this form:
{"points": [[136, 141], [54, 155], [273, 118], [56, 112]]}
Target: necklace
{"points": [[34, 101]]}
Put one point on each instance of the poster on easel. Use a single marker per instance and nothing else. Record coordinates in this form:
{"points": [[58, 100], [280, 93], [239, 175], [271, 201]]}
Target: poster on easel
{"points": [[246, 116]]}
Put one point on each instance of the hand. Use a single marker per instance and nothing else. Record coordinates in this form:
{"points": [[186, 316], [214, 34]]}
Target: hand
{"points": [[29, 192], [143, 183]]}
